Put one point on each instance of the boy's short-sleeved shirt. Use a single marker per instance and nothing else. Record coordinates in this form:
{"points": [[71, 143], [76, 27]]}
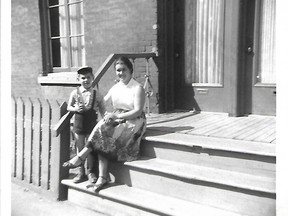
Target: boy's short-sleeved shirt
{"points": [[87, 95]]}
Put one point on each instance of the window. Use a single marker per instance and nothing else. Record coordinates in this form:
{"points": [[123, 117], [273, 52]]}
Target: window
{"points": [[266, 35], [63, 35], [204, 42]]}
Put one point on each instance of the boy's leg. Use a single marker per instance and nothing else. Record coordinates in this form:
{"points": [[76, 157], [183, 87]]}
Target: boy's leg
{"points": [[80, 143]]}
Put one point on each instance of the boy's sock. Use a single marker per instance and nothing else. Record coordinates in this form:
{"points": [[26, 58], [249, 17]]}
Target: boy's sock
{"points": [[81, 175]]}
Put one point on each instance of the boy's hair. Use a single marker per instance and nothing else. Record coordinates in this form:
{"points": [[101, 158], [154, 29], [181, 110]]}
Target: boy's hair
{"points": [[85, 70]]}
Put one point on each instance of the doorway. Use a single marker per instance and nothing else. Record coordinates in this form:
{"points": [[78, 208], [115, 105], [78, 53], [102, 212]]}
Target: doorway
{"points": [[220, 56], [199, 74], [258, 83]]}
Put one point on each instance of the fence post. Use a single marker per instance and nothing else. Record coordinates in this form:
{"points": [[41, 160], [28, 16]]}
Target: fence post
{"points": [[28, 140], [60, 151], [20, 139], [36, 142], [13, 134], [45, 144]]}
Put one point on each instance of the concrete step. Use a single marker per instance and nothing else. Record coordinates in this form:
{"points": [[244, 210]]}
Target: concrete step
{"points": [[229, 190], [122, 200], [242, 156]]}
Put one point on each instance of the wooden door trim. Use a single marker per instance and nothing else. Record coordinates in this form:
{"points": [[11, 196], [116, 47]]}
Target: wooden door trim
{"points": [[166, 55], [232, 52]]}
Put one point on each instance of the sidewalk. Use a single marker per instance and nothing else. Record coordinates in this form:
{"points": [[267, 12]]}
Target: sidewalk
{"points": [[28, 203]]}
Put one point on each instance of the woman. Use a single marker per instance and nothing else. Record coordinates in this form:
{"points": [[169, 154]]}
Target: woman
{"points": [[117, 136]]}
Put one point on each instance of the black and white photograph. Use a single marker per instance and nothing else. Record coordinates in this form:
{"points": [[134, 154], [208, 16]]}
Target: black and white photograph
{"points": [[144, 108]]}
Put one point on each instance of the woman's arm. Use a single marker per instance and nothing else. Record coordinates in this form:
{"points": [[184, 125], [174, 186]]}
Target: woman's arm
{"points": [[108, 95], [101, 105]]}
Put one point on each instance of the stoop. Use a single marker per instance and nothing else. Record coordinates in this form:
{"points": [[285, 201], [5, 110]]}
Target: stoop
{"points": [[181, 174]]}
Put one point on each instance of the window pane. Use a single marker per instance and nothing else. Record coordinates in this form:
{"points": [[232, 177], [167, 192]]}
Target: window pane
{"points": [[204, 41], [77, 51], [60, 52], [76, 19], [56, 2], [53, 2], [266, 72], [73, 1], [54, 22], [58, 21]]}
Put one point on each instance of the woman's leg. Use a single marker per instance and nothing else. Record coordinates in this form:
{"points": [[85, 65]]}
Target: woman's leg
{"points": [[103, 173], [78, 159], [103, 168]]}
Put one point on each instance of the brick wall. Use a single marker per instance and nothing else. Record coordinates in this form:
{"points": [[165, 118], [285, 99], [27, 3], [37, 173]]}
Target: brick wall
{"points": [[118, 26], [111, 26], [25, 48]]}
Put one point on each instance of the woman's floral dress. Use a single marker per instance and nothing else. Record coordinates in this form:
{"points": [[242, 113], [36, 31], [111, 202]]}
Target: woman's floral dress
{"points": [[119, 140]]}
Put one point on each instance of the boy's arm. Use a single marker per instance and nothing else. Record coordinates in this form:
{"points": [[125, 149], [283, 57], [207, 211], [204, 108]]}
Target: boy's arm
{"points": [[71, 103]]}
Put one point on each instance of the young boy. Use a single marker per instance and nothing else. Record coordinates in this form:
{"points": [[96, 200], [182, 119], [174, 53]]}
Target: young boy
{"points": [[85, 102]]}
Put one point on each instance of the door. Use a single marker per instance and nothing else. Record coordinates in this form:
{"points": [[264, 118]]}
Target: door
{"points": [[199, 74], [223, 56], [259, 83]]}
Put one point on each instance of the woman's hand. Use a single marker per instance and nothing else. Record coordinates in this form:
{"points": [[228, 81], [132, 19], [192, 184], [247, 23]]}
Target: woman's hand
{"points": [[109, 117]]}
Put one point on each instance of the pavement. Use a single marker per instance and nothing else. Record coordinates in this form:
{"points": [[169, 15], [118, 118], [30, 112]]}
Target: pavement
{"points": [[25, 202]]}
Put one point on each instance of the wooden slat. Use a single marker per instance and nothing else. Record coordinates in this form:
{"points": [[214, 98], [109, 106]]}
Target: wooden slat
{"points": [[198, 120], [255, 130], [214, 125], [55, 148], [28, 140], [206, 122], [174, 124], [270, 136], [20, 139], [36, 142], [62, 123], [227, 128], [60, 151], [267, 130], [242, 128], [45, 144], [13, 136]]}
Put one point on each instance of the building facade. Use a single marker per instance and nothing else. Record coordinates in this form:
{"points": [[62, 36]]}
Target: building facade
{"points": [[215, 56]]}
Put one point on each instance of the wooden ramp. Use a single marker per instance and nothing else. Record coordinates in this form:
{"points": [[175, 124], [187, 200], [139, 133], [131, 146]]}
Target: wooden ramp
{"points": [[192, 164]]}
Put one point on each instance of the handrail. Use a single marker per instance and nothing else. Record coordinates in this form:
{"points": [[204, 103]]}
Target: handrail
{"points": [[65, 119]]}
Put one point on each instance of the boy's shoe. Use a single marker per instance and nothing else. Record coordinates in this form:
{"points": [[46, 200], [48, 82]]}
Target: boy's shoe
{"points": [[80, 176], [92, 178]]}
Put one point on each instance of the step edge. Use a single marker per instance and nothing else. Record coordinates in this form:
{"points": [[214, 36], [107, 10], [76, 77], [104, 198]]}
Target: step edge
{"points": [[138, 204], [186, 176], [197, 141]]}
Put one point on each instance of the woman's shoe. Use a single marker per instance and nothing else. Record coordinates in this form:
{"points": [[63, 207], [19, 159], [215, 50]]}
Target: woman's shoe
{"points": [[73, 163], [98, 187]]}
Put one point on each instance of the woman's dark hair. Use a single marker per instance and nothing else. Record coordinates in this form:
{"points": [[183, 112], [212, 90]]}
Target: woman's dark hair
{"points": [[125, 61]]}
